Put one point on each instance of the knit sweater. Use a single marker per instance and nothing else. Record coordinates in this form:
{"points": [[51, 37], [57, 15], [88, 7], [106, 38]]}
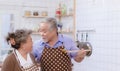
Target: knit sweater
{"points": [[11, 63]]}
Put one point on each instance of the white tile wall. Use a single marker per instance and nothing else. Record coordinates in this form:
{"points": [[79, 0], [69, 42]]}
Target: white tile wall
{"points": [[103, 16]]}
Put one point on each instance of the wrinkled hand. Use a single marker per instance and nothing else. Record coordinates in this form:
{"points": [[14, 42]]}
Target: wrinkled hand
{"points": [[81, 53]]}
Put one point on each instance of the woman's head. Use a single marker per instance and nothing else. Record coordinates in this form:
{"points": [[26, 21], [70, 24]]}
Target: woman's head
{"points": [[20, 39]]}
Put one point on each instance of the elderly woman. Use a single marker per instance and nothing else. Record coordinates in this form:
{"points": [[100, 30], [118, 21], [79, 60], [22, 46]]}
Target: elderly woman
{"points": [[20, 59]]}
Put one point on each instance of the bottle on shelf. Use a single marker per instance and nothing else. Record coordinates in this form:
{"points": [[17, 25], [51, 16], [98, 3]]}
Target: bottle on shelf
{"points": [[70, 11], [58, 11], [63, 10]]}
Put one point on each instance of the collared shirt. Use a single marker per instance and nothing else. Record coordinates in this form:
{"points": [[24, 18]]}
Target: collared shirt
{"points": [[23, 61], [68, 43]]}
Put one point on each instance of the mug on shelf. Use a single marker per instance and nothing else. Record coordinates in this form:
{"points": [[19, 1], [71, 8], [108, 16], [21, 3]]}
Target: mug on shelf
{"points": [[35, 13], [27, 13]]}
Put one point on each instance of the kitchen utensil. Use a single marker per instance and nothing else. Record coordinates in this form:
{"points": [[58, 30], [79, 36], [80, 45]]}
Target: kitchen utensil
{"points": [[35, 13], [44, 13], [72, 51], [27, 13], [84, 45]]}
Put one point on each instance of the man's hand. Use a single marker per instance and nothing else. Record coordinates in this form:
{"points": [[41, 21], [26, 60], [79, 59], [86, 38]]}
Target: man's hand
{"points": [[80, 55]]}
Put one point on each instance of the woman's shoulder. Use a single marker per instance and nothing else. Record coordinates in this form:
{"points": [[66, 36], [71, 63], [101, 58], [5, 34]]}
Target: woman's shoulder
{"points": [[9, 63], [10, 57], [9, 60]]}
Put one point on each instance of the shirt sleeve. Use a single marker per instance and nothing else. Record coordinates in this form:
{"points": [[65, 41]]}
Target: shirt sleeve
{"points": [[37, 50], [73, 47], [70, 45]]}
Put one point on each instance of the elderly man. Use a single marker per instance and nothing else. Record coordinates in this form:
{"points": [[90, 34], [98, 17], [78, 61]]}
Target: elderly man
{"points": [[54, 51]]}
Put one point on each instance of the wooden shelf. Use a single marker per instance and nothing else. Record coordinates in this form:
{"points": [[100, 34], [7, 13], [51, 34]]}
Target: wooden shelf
{"points": [[86, 31], [35, 16], [65, 15], [66, 32]]}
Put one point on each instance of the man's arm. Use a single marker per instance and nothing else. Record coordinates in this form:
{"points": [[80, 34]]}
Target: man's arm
{"points": [[79, 55]]}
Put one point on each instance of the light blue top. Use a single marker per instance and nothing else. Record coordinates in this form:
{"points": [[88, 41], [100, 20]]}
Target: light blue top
{"points": [[68, 43]]}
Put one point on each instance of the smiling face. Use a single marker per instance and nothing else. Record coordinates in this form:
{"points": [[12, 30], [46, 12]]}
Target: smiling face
{"points": [[47, 32]]}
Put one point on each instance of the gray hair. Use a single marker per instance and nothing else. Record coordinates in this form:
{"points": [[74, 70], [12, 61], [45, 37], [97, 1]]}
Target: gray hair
{"points": [[52, 22], [19, 36]]}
